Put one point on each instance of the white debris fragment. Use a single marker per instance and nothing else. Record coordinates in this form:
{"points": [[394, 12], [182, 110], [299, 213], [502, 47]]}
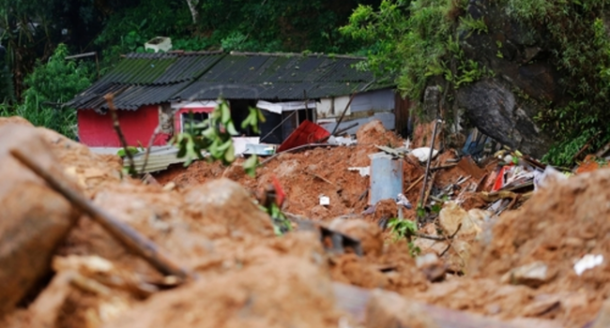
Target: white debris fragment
{"points": [[341, 141], [423, 153], [364, 171], [324, 200], [589, 261], [550, 175], [402, 200]]}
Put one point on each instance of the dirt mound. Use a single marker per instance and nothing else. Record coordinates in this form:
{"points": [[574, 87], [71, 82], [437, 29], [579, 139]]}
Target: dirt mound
{"points": [[89, 169], [293, 293], [393, 270], [557, 227], [374, 133]]}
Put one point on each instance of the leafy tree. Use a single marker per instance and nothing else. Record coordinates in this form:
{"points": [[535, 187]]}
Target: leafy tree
{"points": [[44, 96], [419, 41]]}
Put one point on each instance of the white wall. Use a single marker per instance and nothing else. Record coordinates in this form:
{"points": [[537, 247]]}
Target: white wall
{"points": [[364, 108]]}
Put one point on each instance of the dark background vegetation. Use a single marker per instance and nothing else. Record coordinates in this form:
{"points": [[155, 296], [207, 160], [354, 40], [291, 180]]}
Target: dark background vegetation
{"points": [[418, 41]]}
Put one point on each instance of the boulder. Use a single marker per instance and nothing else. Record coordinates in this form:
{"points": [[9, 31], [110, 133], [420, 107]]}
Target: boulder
{"points": [[225, 201], [35, 219]]}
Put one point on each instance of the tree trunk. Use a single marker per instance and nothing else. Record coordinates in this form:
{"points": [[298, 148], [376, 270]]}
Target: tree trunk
{"points": [[193, 8]]}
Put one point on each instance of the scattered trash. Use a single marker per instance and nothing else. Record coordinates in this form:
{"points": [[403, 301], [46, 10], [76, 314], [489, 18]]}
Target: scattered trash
{"points": [[401, 200], [341, 141], [550, 175], [588, 261], [364, 171], [423, 153], [463, 255]]}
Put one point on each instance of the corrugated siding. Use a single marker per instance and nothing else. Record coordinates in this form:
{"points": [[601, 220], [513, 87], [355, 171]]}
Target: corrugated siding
{"points": [[379, 100]]}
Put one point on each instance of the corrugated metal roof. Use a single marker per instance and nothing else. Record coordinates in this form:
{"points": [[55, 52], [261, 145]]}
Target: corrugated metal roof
{"points": [[161, 68], [201, 90], [145, 79]]}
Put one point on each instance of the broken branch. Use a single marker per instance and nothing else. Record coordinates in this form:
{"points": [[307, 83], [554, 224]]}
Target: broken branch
{"points": [[129, 237], [451, 240], [414, 184], [423, 189], [150, 144], [117, 128]]}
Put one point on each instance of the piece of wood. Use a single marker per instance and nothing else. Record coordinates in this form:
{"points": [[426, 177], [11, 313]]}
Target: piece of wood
{"points": [[423, 189], [585, 147], [117, 128], [150, 144], [442, 167], [129, 237], [414, 184], [603, 150]]}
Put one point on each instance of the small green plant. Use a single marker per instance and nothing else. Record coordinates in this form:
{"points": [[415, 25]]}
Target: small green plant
{"points": [[121, 152], [281, 224], [467, 23], [401, 228], [214, 136]]}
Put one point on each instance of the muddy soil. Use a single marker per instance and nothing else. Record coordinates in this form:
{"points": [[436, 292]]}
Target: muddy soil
{"points": [[247, 276]]}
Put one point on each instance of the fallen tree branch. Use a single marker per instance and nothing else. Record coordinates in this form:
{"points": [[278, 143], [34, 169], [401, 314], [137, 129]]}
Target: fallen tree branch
{"points": [[423, 189], [150, 144], [117, 128], [451, 240], [126, 235], [585, 147]]}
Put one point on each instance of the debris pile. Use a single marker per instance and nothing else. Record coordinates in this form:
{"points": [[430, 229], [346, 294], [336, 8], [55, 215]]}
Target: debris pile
{"points": [[192, 248]]}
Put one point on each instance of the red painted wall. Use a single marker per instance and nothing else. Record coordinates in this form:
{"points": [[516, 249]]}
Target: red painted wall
{"points": [[95, 130]]}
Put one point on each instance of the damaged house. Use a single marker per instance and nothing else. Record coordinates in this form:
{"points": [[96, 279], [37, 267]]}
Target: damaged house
{"points": [[166, 90]]}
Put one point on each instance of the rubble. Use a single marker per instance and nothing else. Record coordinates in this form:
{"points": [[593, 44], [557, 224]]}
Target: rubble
{"points": [[503, 258]]}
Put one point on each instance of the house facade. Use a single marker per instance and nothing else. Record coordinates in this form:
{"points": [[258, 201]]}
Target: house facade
{"points": [[165, 91]]}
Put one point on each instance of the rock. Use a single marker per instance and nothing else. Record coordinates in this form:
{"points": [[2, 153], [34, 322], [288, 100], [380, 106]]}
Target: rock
{"points": [[603, 318], [525, 79], [495, 111], [370, 235], [227, 202], [35, 219], [452, 215], [533, 275], [431, 103], [386, 309], [286, 292], [542, 304], [391, 310], [431, 266]]}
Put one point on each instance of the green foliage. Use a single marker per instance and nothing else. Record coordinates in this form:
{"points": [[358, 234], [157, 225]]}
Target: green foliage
{"points": [[407, 39], [49, 86], [469, 24], [132, 150], [281, 224], [214, 136], [581, 50], [401, 228]]}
